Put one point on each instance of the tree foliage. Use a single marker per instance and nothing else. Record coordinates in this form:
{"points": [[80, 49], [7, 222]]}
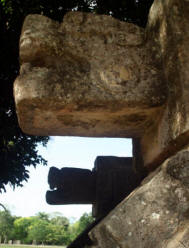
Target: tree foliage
{"points": [[41, 229], [17, 150], [84, 221], [21, 227], [6, 225]]}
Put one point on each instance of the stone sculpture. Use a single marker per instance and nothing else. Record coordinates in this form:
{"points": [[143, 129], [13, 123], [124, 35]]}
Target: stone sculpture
{"points": [[95, 76], [109, 79], [90, 74], [111, 180], [95, 80], [73, 186]]}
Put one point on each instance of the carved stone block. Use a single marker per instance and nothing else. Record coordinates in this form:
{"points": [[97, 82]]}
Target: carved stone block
{"points": [[72, 186], [90, 75], [111, 180], [115, 179]]}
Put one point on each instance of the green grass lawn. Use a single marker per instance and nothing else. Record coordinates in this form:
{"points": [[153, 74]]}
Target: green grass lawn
{"points": [[30, 246]]}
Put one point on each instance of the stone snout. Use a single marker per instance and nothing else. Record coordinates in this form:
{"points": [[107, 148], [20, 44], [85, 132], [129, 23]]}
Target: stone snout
{"points": [[72, 186], [91, 75], [111, 180], [95, 76]]}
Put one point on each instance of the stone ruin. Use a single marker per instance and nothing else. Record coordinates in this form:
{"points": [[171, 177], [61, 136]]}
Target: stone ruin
{"points": [[95, 76], [111, 180]]}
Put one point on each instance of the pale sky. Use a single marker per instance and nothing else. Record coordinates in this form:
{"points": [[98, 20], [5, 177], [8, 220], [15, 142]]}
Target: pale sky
{"points": [[61, 152]]}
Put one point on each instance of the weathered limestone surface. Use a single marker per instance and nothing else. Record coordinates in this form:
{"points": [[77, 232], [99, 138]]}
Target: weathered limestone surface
{"points": [[156, 215], [91, 75], [168, 27], [96, 76]]}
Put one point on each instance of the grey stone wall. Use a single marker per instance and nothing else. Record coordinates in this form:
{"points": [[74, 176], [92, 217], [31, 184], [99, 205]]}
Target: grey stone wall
{"points": [[155, 215]]}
